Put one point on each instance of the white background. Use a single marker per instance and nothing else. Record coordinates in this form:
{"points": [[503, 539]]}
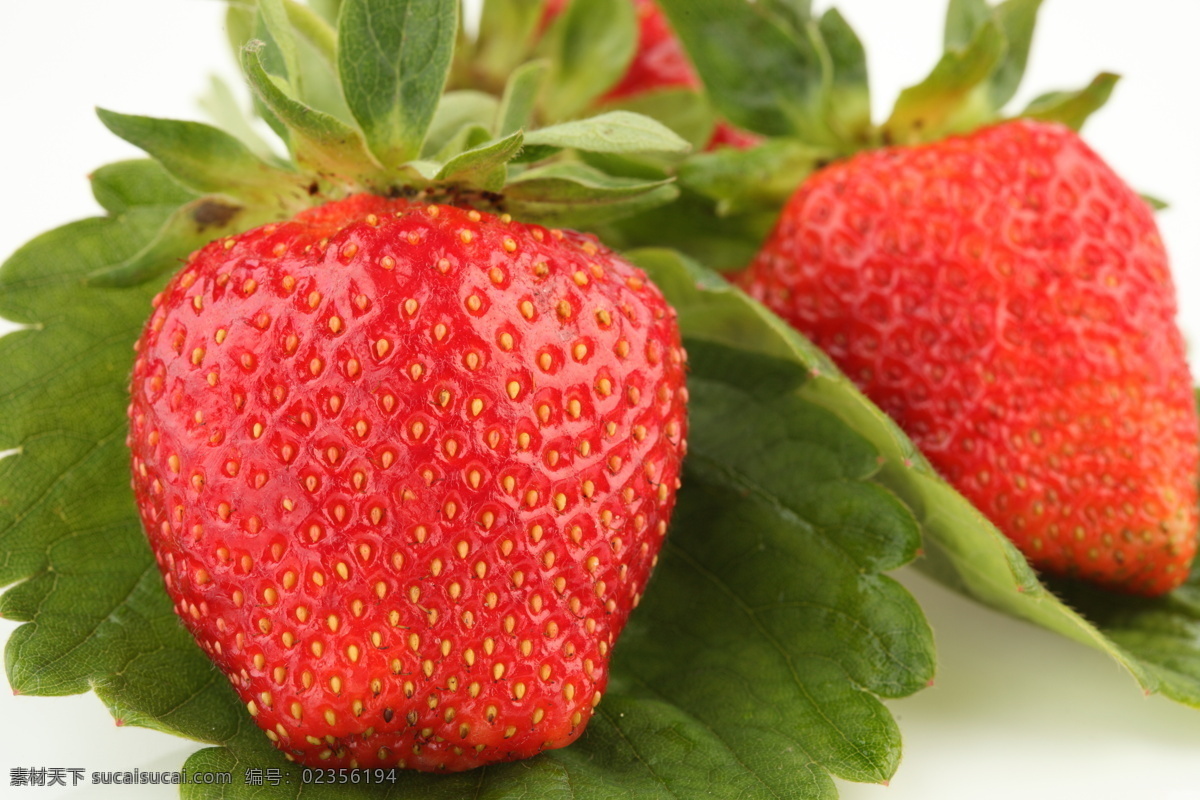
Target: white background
{"points": [[1015, 711]]}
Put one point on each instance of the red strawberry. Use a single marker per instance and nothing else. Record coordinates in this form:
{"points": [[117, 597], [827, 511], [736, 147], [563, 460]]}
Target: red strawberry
{"points": [[659, 62], [406, 469], [1006, 298]]}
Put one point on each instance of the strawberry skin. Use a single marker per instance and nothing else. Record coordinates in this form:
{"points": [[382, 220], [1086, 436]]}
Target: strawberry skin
{"points": [[406, 470], [1006, 298]]}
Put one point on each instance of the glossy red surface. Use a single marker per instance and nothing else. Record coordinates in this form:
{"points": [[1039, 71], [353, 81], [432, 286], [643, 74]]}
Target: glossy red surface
{"points": [[406, 470], [1006, 298]]}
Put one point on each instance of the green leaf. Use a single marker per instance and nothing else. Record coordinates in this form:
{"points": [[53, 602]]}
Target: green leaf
{"points": [[520, 98], [760, 75], [1073, 108], [484, 167], [761, 178], [954, 97], [208, 160], [611, 132], [123, 185], [589, 46], [319, 142], [393, 59]]}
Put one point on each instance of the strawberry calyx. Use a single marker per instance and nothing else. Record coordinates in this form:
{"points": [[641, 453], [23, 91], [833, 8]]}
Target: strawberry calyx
{"points": [[801, 80], [361, 106]]}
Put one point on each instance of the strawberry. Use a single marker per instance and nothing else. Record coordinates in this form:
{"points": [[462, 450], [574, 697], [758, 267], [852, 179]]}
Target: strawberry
{"points": [[404, 462], [983, 276], [1006, 298], [406, 469]]}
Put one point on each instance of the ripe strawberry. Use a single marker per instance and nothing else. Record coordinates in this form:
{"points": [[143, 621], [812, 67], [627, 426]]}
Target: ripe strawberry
{"points": [[406, 469], [659, 62], [1006, 298]]}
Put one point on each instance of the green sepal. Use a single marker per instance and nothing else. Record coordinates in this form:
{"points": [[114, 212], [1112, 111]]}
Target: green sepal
{"points": [[577, 194], [467, 138], [1017, 19], [963, 19], [849, 104], [393, 87], [315, 43], [684, 111], [315, 26], [954, 97], [455, 111], [759, 179], [209, 161], [483, 168], [327, 9], [274, 22], [241, 26], [1073, 108], [520, 98], [123, 185], [318, 141], [759, 74], [221, 106], [507, 30], [795, 14], [274, 64], [589, 46], [611, 132], [1155, 203]]}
